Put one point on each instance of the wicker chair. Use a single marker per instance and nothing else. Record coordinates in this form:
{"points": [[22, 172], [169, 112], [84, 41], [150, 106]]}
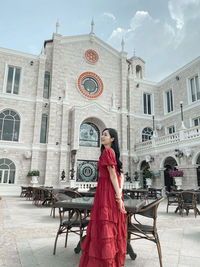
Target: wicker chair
{"points": [[76, 222], [143, 231], [172, 200], [187, 201]]}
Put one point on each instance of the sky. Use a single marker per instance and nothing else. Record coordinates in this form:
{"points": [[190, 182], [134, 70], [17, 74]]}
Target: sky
{"points": [[164, 33]]}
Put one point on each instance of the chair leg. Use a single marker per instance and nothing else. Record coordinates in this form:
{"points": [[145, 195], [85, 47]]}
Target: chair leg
{"points": [[195, 212], [52, 212], [54, 250], [66, 237], [159, 249]]}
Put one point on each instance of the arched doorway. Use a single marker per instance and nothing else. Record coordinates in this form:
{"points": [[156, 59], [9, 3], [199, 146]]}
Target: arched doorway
{"points": [[198, 170], [144, 166], [169, 164], [89, 142], [7, 171]]}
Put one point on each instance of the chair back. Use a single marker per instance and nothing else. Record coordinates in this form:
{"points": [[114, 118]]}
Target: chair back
{"points": [[150, 210], [187, 196], [72, 193]]}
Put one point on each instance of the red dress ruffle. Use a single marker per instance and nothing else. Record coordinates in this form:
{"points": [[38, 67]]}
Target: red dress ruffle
{"points": [[105, 243]]}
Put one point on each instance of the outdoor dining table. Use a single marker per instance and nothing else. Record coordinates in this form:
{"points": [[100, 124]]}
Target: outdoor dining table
{"points": [[138, 193], [132, 206]]}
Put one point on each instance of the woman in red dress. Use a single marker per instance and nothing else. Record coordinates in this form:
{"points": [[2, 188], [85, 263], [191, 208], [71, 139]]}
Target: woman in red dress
{"points": [[105, 242]]}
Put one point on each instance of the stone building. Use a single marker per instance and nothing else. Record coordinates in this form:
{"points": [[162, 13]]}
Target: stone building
{"points": [[54, 106]]}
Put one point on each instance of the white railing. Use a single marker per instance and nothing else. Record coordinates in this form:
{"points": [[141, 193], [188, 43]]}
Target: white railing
{"points": [[192, 133], [143, 145], [85, 186], [128, 185], [180, 136], [167, 139]]}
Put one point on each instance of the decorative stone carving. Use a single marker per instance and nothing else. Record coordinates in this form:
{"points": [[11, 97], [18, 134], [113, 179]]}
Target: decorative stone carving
{"points": [[27, 154]]}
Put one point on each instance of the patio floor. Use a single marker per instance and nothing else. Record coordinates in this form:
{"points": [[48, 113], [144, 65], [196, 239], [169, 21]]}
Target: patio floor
{"points": [[27, 235]]}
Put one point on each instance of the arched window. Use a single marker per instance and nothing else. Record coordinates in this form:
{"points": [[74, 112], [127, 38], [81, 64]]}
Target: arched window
{"points": [[89, 135], [138, 72], [7, 171], [9, 125], [147, 134]]}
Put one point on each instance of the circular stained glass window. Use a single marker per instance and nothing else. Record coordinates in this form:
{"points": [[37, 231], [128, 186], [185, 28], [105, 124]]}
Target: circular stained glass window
{"points": [[91, 56], [90, 84]]}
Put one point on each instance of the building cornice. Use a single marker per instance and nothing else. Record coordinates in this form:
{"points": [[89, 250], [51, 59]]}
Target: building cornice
{"points": [[87, 37], [176, 73], [141, 81], [18, 53], [92, 105]]}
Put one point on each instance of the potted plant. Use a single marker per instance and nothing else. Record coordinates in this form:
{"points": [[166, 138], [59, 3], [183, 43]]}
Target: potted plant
{"points": [[34, 174], [148, 175], [177, 175]]}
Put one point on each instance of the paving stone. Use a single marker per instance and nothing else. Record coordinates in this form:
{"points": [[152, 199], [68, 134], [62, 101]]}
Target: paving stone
{"points": [[27, 235]]}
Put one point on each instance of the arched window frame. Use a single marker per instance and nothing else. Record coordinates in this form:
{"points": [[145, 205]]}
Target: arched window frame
{"points": [[147, 132], [91, 142], [138, 71], [11, 116]]}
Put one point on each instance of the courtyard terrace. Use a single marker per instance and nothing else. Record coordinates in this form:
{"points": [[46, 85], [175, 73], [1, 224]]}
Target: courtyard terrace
{"points": [[27, 235]]}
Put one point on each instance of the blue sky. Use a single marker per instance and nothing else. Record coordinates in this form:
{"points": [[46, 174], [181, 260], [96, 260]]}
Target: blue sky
{"points": [[165, 33]]}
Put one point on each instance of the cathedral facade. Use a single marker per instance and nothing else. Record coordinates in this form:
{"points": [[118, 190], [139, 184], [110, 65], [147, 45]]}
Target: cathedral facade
{"points": [[54, 106]]}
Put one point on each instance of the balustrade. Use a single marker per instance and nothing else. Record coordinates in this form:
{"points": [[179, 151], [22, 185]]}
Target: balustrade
{"points": [[180, 136]]}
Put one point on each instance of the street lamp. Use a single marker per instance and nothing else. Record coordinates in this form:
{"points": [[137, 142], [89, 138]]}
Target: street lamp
{"points": [[153, 123], [154, 130], [182, 121]]}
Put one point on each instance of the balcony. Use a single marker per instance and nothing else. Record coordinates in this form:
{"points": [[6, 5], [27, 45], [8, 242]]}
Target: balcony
{"points": [[181, 137]]}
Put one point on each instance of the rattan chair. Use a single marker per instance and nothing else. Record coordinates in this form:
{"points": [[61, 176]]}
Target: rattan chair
{"points": [[23, 191], [146, 231], [187, 201], [172, 199], [75, 222]]}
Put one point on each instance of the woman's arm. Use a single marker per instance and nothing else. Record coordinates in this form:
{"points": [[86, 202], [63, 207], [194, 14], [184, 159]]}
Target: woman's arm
{"points": [[122, 180], [115, 183]]}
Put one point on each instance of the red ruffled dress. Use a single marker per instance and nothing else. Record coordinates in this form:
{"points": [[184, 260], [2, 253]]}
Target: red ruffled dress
{"points": [[105, 243]]}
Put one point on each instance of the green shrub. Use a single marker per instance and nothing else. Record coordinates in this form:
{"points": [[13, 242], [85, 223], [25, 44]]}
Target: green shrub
{"points": [[33, 173]]}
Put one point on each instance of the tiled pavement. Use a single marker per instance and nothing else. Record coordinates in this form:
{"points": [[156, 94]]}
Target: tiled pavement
{"points": [[27, 235]]}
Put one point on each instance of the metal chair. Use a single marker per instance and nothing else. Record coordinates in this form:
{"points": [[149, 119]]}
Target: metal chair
{"points": [[143, 231]]}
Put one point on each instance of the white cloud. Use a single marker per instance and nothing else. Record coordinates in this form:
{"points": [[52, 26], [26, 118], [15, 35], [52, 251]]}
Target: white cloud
{"points": [[182, 10], [109, 15], [164, 46], [139, 18]]}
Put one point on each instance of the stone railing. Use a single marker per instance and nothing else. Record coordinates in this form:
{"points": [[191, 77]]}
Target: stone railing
{"points": [[143, 145], [85, 186], [180, 136], [166, 139], [192, 133]]}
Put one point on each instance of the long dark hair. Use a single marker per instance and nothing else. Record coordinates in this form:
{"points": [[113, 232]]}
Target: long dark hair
{"points": [[114, 146]]}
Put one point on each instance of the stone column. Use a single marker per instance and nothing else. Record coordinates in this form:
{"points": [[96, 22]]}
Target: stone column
{"points": [[38, 113], [64, 161]]}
